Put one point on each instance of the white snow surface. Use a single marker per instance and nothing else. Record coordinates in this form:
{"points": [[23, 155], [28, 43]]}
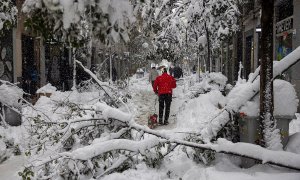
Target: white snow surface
{"points": [[48, 88], [10, 95], [285, 101], [218, 78], [187, 115]]}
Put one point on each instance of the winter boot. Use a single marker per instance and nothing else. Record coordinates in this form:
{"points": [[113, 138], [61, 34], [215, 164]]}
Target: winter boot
{"points": [[160, 122]]}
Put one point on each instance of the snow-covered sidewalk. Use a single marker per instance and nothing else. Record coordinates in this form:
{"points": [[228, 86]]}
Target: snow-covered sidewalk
{"points": [[144, 102], [9, 168], [187, 115]]}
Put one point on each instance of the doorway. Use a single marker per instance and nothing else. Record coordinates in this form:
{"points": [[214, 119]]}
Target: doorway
{"points": [[29, 66]]}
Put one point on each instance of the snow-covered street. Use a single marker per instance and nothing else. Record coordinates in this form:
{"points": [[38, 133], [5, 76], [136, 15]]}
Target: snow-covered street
{"points": [[149, 90], [144, 102], [189, 114]]}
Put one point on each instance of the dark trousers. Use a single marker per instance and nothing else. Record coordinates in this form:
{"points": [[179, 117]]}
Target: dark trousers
{"points": [[164, 104]]}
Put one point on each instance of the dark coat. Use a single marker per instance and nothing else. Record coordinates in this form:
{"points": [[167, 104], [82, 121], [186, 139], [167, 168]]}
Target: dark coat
{"points": [[177, 71]]}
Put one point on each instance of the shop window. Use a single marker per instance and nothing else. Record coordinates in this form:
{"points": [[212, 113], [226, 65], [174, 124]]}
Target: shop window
{"points": [[283, 45]]}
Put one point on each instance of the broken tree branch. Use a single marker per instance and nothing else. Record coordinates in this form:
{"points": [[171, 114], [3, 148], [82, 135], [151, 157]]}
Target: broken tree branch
{"points": [[245, 94]]}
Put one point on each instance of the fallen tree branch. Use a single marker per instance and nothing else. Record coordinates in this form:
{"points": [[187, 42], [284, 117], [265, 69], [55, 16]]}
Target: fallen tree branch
{"points": [[265, 156], [116, 165], [97, 81], [223, 146], [237, 100], [252, 151]]}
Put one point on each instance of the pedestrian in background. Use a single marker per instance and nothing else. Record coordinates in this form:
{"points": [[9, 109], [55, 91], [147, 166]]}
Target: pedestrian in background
{"points": [[153, 75], [177, 71], [163, 86]]}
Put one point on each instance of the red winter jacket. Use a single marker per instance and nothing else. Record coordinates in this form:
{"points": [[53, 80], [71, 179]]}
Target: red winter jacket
{"points": [[164, 84]]}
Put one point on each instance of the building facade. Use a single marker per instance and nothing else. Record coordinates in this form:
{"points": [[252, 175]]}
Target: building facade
{"points": [[286, 36]]}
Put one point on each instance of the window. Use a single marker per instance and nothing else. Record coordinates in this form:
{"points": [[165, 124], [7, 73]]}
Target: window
{"points": [[284, 9]]}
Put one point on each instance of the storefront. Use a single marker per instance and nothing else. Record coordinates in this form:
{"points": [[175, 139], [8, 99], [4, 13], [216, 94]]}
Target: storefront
{"points": [[284, 38], [283, 28]]}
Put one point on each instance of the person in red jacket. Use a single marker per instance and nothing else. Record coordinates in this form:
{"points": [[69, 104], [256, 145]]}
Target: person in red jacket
{"points": [[163, 86]]}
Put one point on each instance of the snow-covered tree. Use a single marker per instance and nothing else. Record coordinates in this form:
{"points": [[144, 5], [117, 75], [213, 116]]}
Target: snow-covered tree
{"points": [[72, 20], [151, 13], [74, 135], [214, 19], [8, 13]]}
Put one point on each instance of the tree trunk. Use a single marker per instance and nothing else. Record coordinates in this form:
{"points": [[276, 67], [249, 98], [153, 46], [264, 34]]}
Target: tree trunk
{"points": [[208, 61], [74, 69], [268, 124]]}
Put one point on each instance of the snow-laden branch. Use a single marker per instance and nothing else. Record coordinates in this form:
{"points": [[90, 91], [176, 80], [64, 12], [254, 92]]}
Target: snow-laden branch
{"points": [[114, 100], [94, 77], [96, 149], [252, 151], [239, 95], [8, 13], [116, 165], [87, 142], [280, 158], [68, 20]]}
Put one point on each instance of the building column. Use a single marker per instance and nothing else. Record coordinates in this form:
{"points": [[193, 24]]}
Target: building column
{"points": [[42, 64], [17, 55]]}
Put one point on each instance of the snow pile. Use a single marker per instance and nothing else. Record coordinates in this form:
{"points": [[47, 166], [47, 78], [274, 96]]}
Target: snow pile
{"points": [[285, 98], [285, 101], [294, 143], [199, 110], [48, 88], [10, 95], [208, 82], [218, 78], [213, 81]]}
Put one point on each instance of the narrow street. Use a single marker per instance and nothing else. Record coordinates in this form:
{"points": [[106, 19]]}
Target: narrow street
{"points": [[82, 82], [145, 103]]}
